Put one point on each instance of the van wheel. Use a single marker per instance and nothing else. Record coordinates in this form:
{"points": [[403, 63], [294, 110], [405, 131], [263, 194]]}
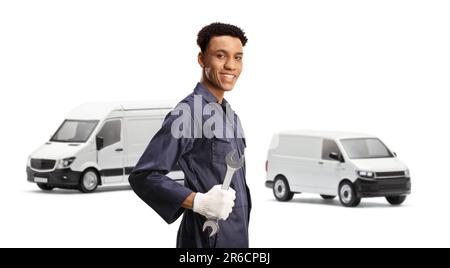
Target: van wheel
{"points": [[45, 187], [347, 195], [89, 181], [281, 189], [396, 200], [328, 197]]}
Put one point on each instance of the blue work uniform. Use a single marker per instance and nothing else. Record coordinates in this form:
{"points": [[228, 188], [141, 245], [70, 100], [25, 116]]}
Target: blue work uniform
{"points": [[202, 159]]}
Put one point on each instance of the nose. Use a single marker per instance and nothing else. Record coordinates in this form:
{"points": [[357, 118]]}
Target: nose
{"points": [[230, 64]]}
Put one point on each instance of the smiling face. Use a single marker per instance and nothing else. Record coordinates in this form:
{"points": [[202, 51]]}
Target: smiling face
{"points": [[221, 63]]}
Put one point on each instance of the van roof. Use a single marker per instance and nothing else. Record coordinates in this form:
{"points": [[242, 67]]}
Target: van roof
{"points": [[99, 110], [334, 135]]}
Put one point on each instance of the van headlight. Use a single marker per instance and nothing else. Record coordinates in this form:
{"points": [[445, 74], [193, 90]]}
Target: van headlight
{"points": [[366, 174], [29, 161], [407, 173], [65, 163]]}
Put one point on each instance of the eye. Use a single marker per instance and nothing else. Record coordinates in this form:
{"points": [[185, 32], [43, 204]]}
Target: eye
{"points": [[238, 58], [220, 56]]}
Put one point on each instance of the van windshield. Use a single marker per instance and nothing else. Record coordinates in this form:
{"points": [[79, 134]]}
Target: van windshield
{"points": [[365, 148], [74, 131]]}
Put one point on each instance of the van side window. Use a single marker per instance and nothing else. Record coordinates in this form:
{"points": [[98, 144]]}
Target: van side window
{"points": [[110, 132], [329, 146]]}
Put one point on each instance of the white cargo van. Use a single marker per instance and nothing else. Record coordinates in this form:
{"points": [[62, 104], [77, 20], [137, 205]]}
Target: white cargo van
{"points": [[97, 144], [331, 164]]}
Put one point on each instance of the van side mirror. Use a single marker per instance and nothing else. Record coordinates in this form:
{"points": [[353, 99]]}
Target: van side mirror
{"points": [[394, 153], [336, 157], [99, 142]]}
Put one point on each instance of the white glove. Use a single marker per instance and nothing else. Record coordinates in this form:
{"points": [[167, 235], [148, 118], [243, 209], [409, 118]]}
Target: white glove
{"points": [[215, 204]]}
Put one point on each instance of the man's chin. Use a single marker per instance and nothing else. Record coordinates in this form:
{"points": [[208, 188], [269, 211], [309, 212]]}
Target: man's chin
{"points": [[228, 88]]}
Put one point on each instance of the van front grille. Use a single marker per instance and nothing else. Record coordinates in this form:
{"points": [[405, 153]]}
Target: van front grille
{"points": [[391, 174], [42, 164], [388, 185]]}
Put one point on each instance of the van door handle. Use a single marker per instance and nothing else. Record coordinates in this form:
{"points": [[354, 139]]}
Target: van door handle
{"points": [[320, 163], [119, 150]]}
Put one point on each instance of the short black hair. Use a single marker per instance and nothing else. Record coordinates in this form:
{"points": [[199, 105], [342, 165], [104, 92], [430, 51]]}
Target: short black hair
{"points": [[219, 29]]}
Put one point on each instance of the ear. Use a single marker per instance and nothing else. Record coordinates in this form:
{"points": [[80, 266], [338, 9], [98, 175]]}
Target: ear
{"points": [[201, 60]]}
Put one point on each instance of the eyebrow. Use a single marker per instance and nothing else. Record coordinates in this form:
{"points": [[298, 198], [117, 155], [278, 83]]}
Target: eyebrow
{"points": [[226, 52]]}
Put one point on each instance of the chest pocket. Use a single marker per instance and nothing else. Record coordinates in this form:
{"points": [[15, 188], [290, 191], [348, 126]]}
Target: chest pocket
{"points": [[220, 148]]}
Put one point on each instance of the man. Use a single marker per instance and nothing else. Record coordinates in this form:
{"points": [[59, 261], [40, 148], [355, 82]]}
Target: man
{"points": [[201, 157]]}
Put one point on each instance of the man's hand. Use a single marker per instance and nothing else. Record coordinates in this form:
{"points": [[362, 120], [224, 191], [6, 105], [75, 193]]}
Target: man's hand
{"points": [[215, 204]]}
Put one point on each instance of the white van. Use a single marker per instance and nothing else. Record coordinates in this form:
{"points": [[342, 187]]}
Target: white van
{"points": [[97, 144], [331, 164]]}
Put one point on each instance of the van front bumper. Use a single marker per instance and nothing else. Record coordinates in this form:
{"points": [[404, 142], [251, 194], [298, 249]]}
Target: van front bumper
{"points": [[382, 187], [61, 178]]}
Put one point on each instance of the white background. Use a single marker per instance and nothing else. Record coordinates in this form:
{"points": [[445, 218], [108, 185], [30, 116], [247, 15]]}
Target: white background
{"points": [[380, 67]]}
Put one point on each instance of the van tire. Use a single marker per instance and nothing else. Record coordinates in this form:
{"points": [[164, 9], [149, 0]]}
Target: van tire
{"points": [[89, 181], [396, 200], [347, 195], [45, 187], [281, 189], [328, 197]]}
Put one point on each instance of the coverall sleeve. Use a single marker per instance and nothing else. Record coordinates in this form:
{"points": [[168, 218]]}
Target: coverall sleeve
{"points": [[148, 179]]}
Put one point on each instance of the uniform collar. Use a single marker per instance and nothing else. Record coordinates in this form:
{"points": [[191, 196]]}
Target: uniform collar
{"points": [[207, 95]]}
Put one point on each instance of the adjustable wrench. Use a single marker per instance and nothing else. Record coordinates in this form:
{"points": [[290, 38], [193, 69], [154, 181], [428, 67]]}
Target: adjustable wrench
{"points": [[232, 166]]}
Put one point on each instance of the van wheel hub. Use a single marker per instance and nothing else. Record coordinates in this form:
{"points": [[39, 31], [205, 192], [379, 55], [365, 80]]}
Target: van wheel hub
{"points": [[280, 188], [346, 193], [90, 180]]}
